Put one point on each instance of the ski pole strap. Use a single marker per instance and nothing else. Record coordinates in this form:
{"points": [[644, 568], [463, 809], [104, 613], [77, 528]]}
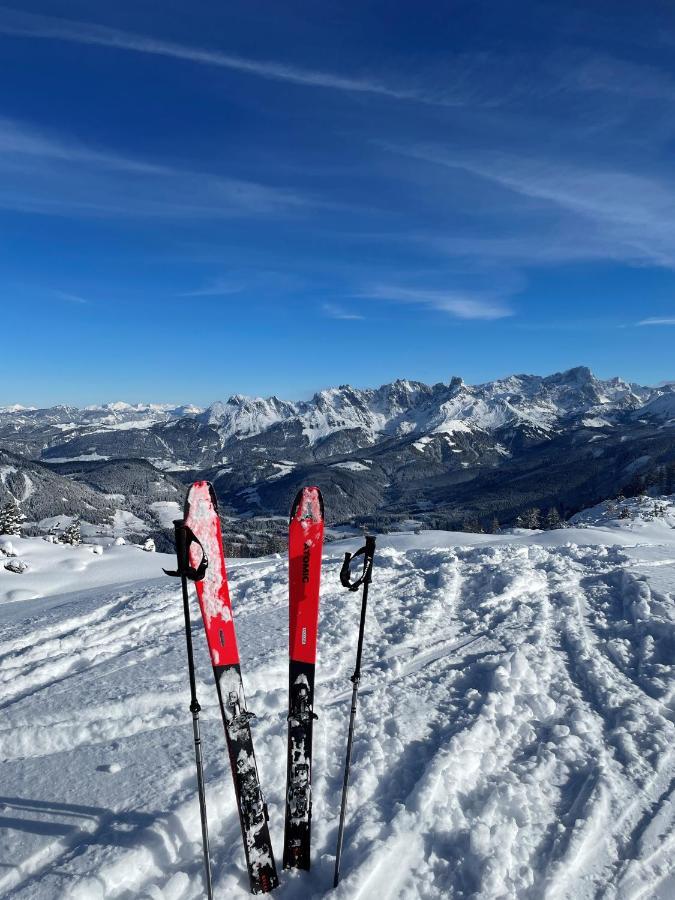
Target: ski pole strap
{"points": [[367, 551], [185, 538]]}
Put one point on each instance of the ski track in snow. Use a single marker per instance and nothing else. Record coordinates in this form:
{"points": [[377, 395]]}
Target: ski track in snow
{"points": [[514, 736]]}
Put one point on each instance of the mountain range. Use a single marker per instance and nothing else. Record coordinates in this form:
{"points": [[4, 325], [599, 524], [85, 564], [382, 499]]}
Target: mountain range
{"points": [[439, 454]]}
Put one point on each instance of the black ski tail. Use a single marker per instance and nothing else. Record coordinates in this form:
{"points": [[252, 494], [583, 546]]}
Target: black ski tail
{"points": [[253, 813], [297, 835]]}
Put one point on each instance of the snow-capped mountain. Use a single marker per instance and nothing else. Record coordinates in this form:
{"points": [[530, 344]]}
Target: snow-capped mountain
{"points": [[396, 409], [450, 450], [411, 407], [242, 416], [110, 415]]}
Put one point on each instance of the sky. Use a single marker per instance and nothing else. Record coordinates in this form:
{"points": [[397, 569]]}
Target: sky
{"points": [[198, 200]]}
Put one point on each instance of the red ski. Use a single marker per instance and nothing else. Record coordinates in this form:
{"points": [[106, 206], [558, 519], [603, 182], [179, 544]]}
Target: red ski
{"points": [[305, 545], [201, 516]]}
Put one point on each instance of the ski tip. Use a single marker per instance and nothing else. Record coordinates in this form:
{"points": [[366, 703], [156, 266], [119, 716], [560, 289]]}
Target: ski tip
{"points": [[200, 487], [308, 504]]}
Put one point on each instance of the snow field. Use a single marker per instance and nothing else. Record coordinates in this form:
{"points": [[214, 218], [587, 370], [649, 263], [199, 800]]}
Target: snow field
{"points": [[514, 734]]}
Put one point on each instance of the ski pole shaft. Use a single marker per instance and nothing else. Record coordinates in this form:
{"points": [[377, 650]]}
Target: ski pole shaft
{"points": [[345, 786], [195, 709], [368, 552], [182, 552]]}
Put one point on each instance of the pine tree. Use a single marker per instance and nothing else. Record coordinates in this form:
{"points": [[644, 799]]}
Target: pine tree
{"points": [[553, 519], [659, 510], [72, 534], [531, 518], [473, 526], [495, 527], [11, 518], [669, 480]]}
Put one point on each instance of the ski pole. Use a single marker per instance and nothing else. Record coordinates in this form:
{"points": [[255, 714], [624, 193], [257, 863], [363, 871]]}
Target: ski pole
{"points": [[368, 552], [184, 538]]}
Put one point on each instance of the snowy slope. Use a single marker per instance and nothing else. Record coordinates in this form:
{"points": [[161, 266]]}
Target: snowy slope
{"points": [[518, 694]]}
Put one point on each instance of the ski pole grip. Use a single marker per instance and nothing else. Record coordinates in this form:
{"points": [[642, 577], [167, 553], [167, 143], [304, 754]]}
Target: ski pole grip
{"points": [[182, 544], [367, 551], [184, 538], [345, 580]]}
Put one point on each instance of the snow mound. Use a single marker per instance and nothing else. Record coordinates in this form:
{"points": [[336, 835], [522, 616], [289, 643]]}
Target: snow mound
{"points": [[630, 513]]}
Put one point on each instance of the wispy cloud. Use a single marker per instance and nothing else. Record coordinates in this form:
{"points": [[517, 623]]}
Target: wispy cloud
{"points": [[618, 214], [20, 140], [667, 320], [51, 175], [333, 311], [70, 298], [610, 75], [219, 287], [459, 305], [16, 22]]}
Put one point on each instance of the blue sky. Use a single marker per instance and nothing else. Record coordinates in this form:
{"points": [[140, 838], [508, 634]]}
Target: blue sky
{"points": [[203, 199]]}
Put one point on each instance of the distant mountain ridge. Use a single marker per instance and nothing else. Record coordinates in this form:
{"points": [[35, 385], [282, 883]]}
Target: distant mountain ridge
{"points": [[398, 407], [447, 450]]}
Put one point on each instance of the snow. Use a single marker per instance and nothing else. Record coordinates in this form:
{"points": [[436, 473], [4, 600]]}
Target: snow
{"points": [[165, 511], [124, 520], [662, 407], [351, 465], [247, 416], [5, 471], [422, 443], [85, 457], [167, 465], [284, 466], [595, 422], [29, 488], [58, 569], [513, 739]]}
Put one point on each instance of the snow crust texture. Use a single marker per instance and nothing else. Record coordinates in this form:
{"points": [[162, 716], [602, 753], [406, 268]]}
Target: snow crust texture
{"points": [[514, 737]]}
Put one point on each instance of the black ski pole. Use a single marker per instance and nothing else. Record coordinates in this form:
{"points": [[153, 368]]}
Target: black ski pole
{"points": [[368, 552], [184, 538]]}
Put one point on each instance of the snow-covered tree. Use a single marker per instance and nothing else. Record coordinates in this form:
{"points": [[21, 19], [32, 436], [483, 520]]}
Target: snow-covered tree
{"points": [[531, 518], [72, 535], [11, 518], [149, 546], [553, 519]]}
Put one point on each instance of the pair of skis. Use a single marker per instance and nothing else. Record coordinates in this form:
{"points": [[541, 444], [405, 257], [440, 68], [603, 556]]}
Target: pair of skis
{"points": [[202, 560]]}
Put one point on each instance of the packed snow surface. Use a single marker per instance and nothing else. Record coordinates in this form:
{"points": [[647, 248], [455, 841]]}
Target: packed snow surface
{"points": [[514, 737]]}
